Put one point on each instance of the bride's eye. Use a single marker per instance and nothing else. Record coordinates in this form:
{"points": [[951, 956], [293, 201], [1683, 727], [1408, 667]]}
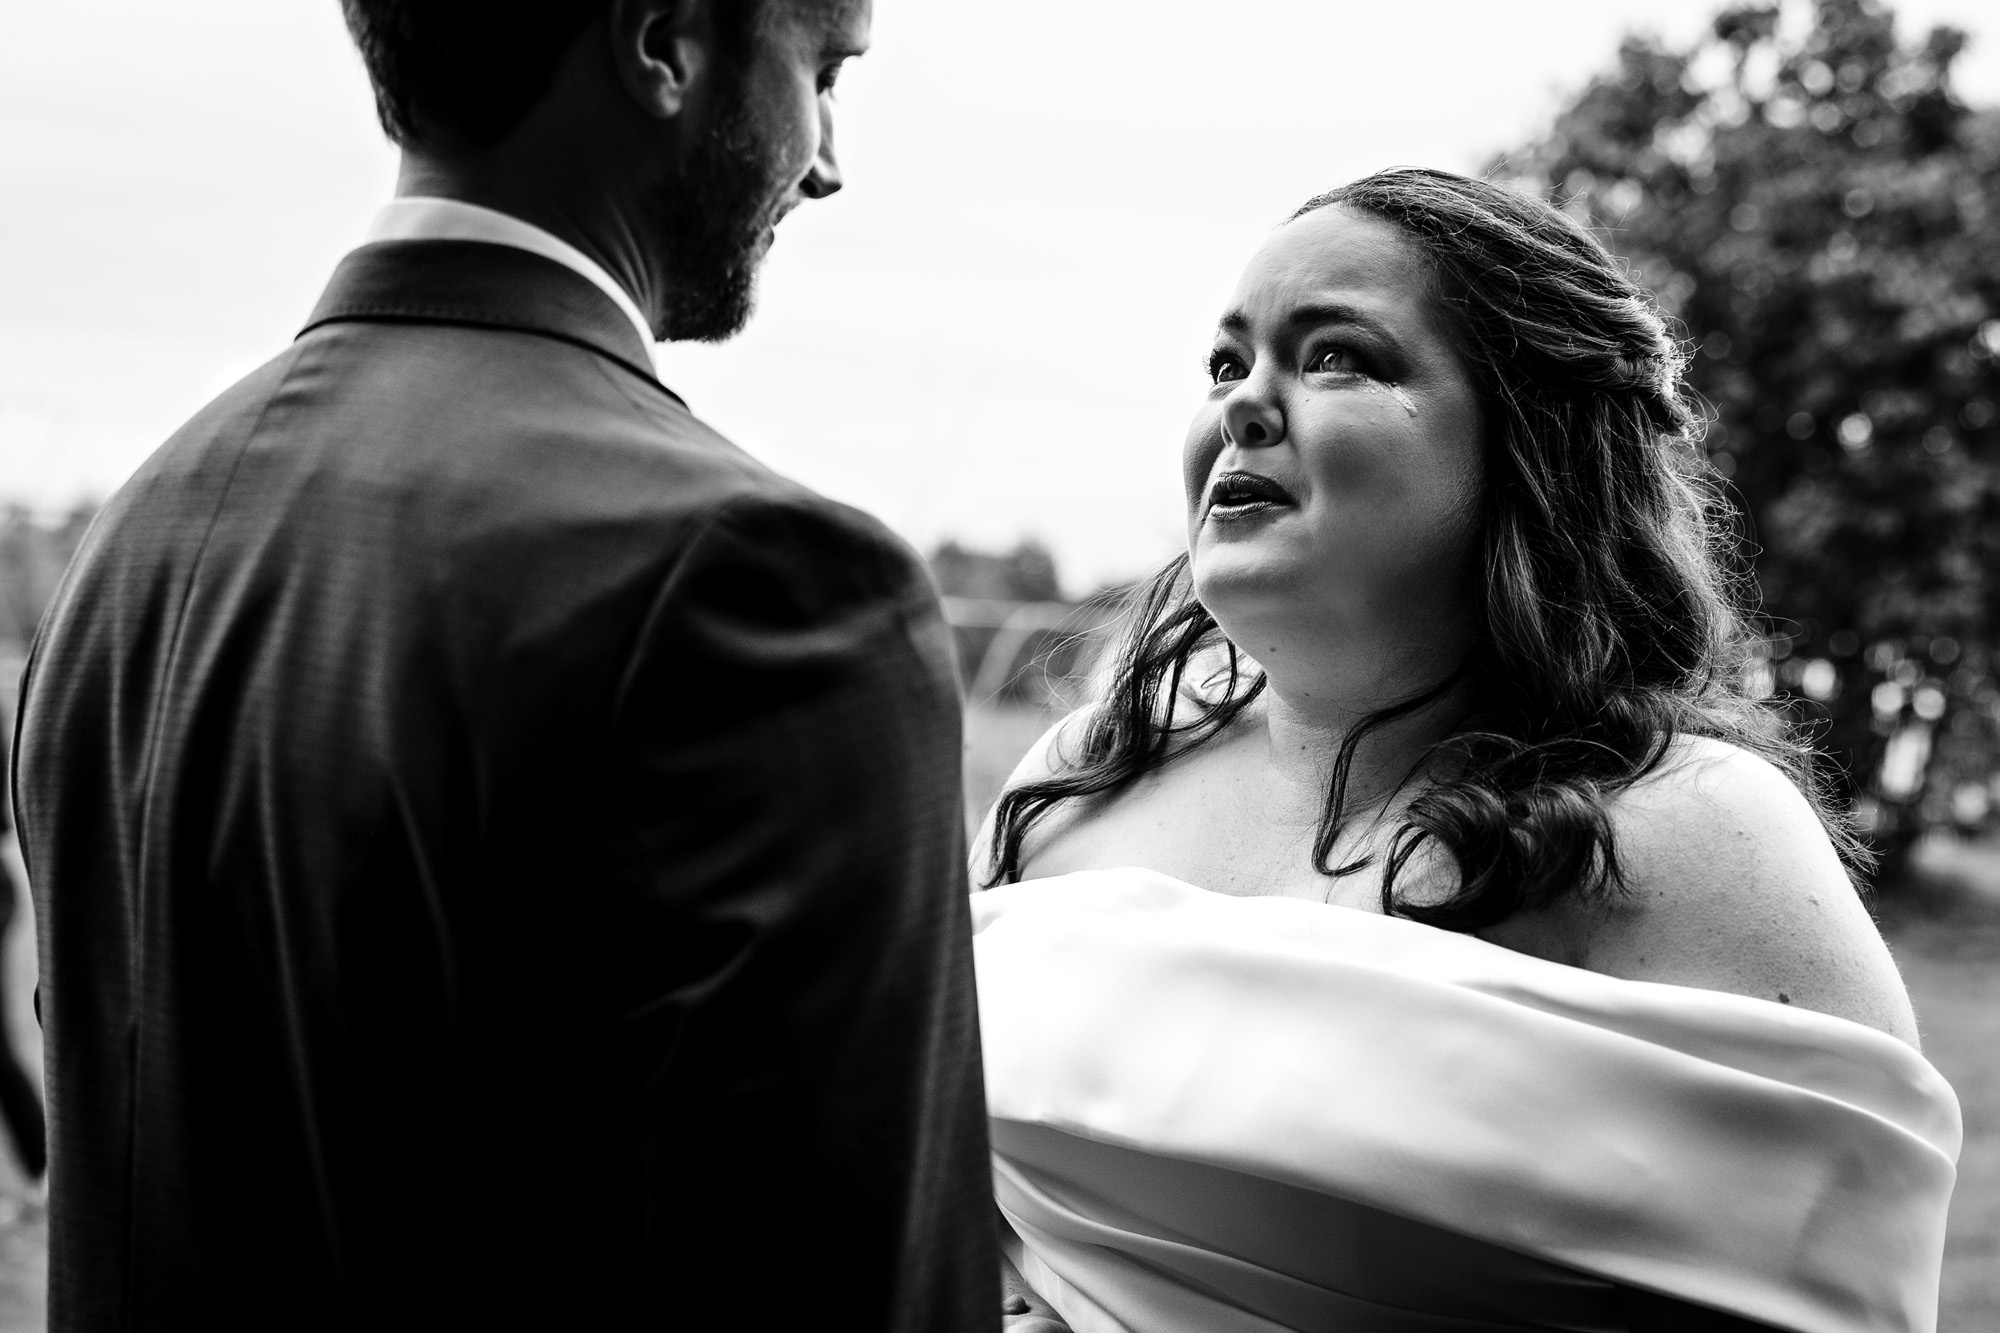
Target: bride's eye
{"points": [[1225, 367], [1334, 361]]}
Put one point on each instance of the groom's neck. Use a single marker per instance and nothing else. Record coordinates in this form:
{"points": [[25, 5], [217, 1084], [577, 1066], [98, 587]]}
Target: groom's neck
{"points": [[577, 166]]}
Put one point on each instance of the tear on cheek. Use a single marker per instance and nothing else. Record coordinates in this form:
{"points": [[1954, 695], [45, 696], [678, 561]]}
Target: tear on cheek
{"points": [[1395, 391]]}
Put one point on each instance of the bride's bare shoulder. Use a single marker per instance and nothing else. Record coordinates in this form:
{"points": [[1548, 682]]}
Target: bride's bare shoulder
{"points": [[1733, 884]]}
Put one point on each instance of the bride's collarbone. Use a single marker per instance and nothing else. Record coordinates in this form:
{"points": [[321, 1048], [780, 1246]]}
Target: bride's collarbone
{"points": [[1221, 818], [1223, 851], [1198, 825], [1198, 845]]}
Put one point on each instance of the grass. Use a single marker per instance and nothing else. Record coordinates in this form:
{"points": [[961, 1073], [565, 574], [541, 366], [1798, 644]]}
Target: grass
{"points": [[1946, 937]]}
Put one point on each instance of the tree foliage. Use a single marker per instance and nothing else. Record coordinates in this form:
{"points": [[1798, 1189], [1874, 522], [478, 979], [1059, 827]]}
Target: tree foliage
{"points": [[1810, 199]]}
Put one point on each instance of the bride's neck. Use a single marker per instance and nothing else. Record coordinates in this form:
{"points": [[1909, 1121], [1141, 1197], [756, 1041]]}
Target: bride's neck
{"points": [[1304, 742], [1316, 701]]}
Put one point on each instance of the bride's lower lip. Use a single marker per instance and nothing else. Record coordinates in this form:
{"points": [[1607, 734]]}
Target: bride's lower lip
{"points": [[1243, 509]]}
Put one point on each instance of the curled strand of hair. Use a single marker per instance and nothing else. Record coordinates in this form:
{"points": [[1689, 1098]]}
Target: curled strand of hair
{"points": [[1334, 813]]}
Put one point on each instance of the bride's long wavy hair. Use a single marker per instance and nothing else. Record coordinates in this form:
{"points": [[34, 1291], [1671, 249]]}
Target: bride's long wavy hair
{"points": [[1613, 618]]}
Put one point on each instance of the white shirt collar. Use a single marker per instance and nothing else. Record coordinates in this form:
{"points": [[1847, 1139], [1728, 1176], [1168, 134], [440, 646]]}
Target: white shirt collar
{"points": [[427, 218]]}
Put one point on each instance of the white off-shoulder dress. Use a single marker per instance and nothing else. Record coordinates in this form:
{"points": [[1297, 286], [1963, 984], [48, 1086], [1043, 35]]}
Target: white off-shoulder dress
{"points": [[1255, 1114]]}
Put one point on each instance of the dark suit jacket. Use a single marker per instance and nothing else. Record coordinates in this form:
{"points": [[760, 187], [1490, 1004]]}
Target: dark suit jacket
{"points": [[499, 856]]}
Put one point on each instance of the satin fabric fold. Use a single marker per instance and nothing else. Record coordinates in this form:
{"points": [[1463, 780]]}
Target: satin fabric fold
{"points": [[1262, 1113]]}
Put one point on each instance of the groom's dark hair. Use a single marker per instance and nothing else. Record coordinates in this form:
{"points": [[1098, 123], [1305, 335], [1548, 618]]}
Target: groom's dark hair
{"points": [[473, 68]]}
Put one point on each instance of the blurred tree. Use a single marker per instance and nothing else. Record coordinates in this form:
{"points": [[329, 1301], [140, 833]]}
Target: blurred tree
{"points": [[1025, 574], [1811, 200], [33, 555]]}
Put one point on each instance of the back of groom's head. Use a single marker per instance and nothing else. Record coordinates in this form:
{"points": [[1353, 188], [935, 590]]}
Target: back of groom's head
{"points": [[665, 138], [470, 70]]}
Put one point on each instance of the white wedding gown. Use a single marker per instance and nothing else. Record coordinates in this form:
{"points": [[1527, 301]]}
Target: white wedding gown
{"points": [[1217, 1113]]}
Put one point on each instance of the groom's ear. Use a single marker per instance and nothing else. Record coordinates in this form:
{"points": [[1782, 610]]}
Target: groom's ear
{"points": [[662, 50]]}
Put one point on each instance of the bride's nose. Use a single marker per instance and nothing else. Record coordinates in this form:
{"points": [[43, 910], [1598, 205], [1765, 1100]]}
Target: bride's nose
{"points": [[1251, 420]]}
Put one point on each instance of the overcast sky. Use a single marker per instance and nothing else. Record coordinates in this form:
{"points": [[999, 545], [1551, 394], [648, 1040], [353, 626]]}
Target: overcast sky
{"points": [[994, 332]]}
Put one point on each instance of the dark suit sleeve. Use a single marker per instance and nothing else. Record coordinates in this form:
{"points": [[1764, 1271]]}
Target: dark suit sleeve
{"points": [[816, 1124]]}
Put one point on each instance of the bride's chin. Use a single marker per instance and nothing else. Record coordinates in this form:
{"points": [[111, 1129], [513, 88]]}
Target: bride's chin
{"points": [[1242, 586]]}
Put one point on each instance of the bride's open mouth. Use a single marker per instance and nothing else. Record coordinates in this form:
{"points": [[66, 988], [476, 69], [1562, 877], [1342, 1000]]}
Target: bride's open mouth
{"points": [[1234, 495]]}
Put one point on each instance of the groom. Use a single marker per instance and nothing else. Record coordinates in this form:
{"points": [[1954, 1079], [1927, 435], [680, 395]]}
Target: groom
{"points": [[497, 846]]}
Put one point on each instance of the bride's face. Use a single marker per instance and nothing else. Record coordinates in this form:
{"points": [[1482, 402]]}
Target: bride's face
{"points": [[1333, 473]]}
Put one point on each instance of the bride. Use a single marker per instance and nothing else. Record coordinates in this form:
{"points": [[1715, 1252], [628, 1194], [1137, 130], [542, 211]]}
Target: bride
{"points": [[1424, 930]]}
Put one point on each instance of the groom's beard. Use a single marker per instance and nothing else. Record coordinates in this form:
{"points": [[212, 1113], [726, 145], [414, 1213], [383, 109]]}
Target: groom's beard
{"points": [[713, 221]]}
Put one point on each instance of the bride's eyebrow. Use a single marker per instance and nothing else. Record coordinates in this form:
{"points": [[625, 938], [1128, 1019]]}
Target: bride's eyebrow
{"points": [[1314, 315]]}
